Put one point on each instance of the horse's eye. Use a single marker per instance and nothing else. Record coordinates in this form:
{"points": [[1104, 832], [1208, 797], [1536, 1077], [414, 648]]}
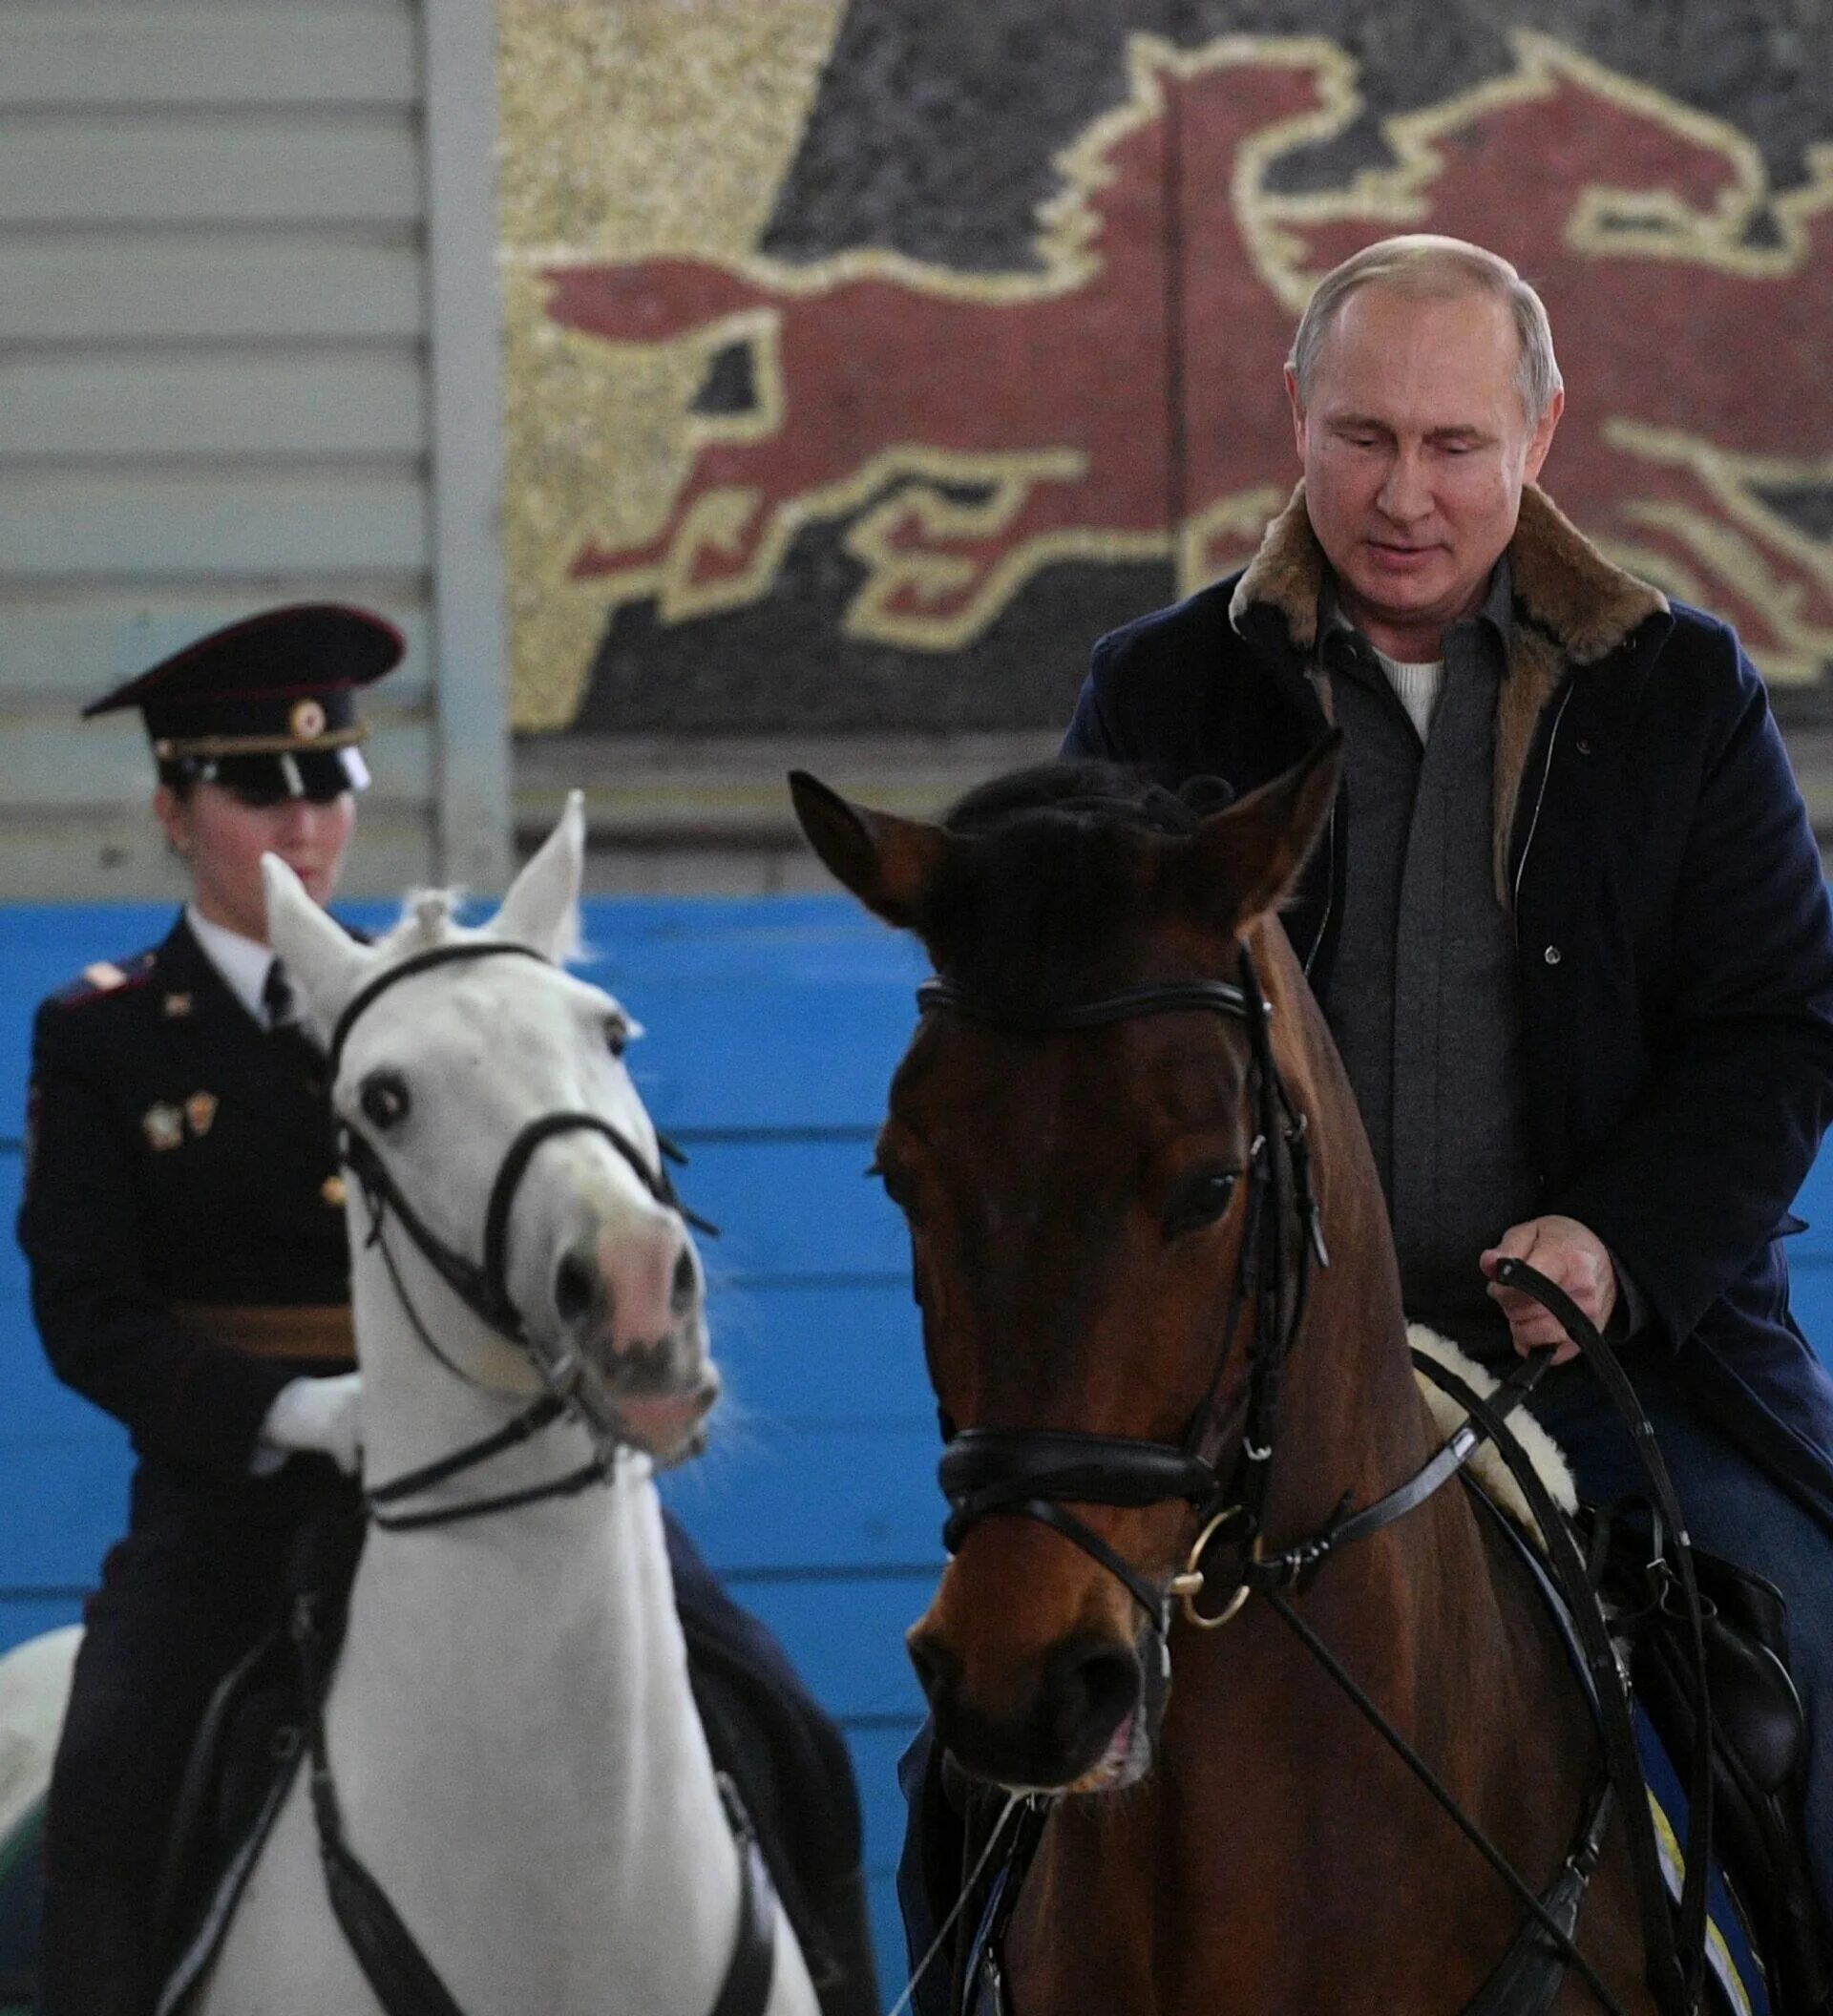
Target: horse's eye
{"points": [[1200, 1199], [617, 1034], [384, 1100]]}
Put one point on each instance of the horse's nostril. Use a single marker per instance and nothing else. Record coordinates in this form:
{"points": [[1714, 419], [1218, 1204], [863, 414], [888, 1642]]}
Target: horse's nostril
{"points": [[1088, 1693], [576, 1287], [686, 1283], [937, 1669]]}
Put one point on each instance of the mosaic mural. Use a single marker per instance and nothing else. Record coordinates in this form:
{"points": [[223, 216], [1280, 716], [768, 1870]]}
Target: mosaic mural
{"points": [[862, 368]]}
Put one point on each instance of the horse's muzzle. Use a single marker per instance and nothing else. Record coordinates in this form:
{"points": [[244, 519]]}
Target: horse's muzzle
{"points": [[1073, 1721], [669, 1425]]}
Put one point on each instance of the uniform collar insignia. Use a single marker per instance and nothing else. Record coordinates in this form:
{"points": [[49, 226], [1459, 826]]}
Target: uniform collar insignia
{"points": [[164, 1125]]}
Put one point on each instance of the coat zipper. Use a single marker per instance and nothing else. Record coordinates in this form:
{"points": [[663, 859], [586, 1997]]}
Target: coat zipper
{"points": [[1330, 889], [1540, 798]]}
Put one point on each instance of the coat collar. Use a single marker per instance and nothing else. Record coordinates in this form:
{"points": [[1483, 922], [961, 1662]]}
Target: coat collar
{"points": [[1572, 607]]}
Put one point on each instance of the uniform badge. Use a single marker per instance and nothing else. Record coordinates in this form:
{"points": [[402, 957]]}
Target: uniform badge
{"points": [[335, 1192], [200, 1110], [164, 1126], [176, 1006], [104, 976], [307, 720]]}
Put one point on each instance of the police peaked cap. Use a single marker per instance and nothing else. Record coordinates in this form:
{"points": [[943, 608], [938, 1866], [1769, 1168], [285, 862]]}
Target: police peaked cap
{"points": [[284, 683]]}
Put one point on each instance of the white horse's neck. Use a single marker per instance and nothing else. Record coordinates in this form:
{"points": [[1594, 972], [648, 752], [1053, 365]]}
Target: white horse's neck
{"points": [[523, 1677]]}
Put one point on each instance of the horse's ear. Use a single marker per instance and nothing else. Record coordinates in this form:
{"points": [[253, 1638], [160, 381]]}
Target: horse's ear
{"points": [[1249, 856], [325, 961], [542, 907], [890, 863]]}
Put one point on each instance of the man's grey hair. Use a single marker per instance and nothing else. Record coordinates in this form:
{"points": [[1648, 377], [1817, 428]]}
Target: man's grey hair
{"points": [[1427, 266]]}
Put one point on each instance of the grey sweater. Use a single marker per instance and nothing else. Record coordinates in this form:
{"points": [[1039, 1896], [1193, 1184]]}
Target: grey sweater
{"points": [[1423, 998]]}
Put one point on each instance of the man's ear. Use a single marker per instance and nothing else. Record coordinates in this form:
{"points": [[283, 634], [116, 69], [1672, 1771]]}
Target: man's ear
{"points": [[890, 863], [1241, 862]]}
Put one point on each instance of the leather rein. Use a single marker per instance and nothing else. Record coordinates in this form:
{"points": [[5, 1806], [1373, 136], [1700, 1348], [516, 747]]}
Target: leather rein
{"points": [[1032, 1474], [482, 1286]]}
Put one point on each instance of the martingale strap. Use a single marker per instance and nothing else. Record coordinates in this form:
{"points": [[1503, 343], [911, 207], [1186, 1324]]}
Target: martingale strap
{"points": [[403, 1980]]}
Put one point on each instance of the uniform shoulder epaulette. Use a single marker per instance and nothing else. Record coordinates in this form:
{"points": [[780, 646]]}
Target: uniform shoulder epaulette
{"points": [[105, 976]]}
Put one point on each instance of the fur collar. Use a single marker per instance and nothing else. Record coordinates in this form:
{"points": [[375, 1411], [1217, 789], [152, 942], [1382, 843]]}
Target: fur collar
{"points": [[1572, 608]]}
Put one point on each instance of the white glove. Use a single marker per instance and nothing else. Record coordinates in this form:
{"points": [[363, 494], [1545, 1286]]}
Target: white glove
{"points": [[322, 1414]]}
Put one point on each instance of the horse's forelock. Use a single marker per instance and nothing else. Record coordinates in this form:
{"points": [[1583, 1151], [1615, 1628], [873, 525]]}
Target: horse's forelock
{"points": [[426, 919], [1047, 899]]}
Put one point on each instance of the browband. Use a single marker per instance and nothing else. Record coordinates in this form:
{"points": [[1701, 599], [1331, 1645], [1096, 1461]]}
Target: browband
{"points": [[405, 969], [1171, 998]]}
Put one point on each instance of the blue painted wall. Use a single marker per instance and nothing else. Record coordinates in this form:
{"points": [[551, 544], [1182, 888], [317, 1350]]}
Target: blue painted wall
{"points": [[773, 1028]]}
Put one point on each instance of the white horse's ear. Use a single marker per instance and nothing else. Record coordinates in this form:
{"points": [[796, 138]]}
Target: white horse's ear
{"points": [[542, 907], [325, 961]]}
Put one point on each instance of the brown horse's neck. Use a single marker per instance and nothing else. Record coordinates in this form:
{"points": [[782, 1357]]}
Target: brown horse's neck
{"points": [[1281, 1856]]}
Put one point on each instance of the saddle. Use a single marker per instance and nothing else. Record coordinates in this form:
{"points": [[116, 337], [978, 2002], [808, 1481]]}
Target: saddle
{"points": [[1757, 1731], [242, 1759]]}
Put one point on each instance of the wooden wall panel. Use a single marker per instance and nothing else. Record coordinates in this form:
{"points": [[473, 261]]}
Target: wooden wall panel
{"points": [[223, 525], [236, 286], [127, 171], [203, 286], [125, 406], [189, 56]]}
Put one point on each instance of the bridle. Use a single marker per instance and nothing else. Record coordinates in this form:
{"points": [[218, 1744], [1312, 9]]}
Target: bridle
{"points": [[482, 1286], [1035, 1473]]}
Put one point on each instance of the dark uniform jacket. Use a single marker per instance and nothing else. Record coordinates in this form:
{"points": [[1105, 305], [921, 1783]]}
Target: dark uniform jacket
{"points": [[180, 1154], [1676, 957]]}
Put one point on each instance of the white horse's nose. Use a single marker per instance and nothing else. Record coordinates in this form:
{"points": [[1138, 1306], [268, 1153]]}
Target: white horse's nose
{"points": [[652, 1278]]}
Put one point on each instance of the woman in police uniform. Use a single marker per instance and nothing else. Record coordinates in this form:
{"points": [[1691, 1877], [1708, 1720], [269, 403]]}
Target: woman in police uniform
{"points": [[184, 1228], [183, 1222]]}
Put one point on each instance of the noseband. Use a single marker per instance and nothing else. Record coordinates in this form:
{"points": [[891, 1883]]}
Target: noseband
{"points": [[483, 1286], [1032, 1474]]}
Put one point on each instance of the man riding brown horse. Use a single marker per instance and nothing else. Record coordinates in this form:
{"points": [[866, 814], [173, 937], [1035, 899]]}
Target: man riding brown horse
{"points": [[1567, 923], [1570, 931]]}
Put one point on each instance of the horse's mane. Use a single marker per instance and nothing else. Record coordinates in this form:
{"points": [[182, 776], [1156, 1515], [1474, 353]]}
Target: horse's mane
{"points": [[1047, 903]]}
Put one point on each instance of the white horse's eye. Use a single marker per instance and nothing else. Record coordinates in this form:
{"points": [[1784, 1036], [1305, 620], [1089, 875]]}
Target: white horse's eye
{"points": [[617, 1034], [383, 1098]]}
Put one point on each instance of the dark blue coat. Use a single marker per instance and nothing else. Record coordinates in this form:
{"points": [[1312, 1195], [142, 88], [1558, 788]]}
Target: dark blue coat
{"points": [[1675, 948]]}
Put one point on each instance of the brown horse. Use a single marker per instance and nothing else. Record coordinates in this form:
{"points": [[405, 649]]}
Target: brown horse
{"points": [[1108, 1157]]}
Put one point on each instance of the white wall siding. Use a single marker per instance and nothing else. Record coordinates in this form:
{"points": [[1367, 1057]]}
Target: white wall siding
{"points": [[220, 387]]}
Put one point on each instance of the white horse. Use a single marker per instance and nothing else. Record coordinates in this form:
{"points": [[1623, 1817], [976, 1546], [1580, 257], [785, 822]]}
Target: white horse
{"points": [[515, 1752]]}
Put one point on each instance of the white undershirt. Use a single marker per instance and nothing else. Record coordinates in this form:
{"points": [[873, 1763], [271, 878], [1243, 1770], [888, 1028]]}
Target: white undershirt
{"points": [[242, 962], [1415, 688]]}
